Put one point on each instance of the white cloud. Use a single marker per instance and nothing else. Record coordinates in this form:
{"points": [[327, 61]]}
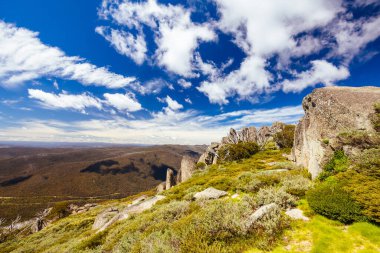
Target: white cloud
{"points": [[125, 43], [165, 127], [352, 36], [123, 102], [188, 100], [363, 3], [23, 57], [250, 78], [175, 34], [65, 101], [263, 29], [322, 72], [155, 86], [55, 84], [184, 84], [172, 104]]}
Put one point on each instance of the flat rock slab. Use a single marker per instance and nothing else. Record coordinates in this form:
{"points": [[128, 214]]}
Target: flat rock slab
{"points": [[210, 193], [112, 215], [296, 214]]}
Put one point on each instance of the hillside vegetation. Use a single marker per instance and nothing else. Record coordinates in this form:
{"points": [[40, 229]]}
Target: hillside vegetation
{"points": [[178, 223]]}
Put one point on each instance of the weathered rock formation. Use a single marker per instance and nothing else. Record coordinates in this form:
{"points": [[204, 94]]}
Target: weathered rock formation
{"points": [[261, 136], [330, 111], [188, 167], [170, 179]]}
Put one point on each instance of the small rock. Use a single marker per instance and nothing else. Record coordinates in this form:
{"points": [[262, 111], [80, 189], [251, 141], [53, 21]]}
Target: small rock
{"points": [[210, 193], [296, 214], [89, 205], [161, 187], [235, 196]]}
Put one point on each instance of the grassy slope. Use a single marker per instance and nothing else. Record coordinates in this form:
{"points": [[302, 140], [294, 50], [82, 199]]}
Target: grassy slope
{"points": [[73, 234]]}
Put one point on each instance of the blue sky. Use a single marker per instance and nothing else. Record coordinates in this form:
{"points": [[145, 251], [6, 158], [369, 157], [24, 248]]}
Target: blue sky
{"points": [[182, 72]]}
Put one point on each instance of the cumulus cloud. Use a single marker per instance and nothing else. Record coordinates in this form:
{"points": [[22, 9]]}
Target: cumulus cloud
{"points": [[23, 57], [352, 36], [176, 35], [65, 101], [164, 127], [184, 84], [125, 43], [321, 72], [123, 102], [172, 104], [262, 29]]}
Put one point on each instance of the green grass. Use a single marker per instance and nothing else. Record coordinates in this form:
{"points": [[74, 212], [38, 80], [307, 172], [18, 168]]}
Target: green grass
{"points": [[177, 224], [322, 235]]}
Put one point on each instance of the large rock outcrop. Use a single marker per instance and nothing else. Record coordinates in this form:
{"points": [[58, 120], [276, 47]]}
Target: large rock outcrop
{"points": [[261, 136], [330, 111]]}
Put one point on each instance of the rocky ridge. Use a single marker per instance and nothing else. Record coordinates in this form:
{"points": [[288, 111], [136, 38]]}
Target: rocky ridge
{"points": [[261, 136], [329, 112]]}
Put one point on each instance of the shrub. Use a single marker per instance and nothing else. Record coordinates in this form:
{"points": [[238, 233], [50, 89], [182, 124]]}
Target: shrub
{"points": [[270, 145], [363, 182], [285, 138], [172, 211], [296, 184], [200, 166], [326, 141], [275, 195], [269, 222], [59, 210], [235, 152], [222, 219], [338, 163], [248, 182], [268, 227], [330, 200], [359, 139]]}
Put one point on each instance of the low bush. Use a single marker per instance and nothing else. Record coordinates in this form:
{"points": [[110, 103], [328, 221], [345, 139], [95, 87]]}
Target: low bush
{"points": [[359, 139], [296, 184], [285, 138], [200, 165], [236, 152], [339, 162], [248, 182], [270, 145], [269, 223], [363, 182], [329, 199], [59, 210], [275, 195]]}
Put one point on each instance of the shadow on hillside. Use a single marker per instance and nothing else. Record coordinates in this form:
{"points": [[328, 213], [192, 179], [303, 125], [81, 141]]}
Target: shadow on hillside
{"points": [[15, 181], [110, 167]]}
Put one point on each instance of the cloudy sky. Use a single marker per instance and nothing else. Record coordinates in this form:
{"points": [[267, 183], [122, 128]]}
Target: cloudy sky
{"points": [[155, 71]]}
